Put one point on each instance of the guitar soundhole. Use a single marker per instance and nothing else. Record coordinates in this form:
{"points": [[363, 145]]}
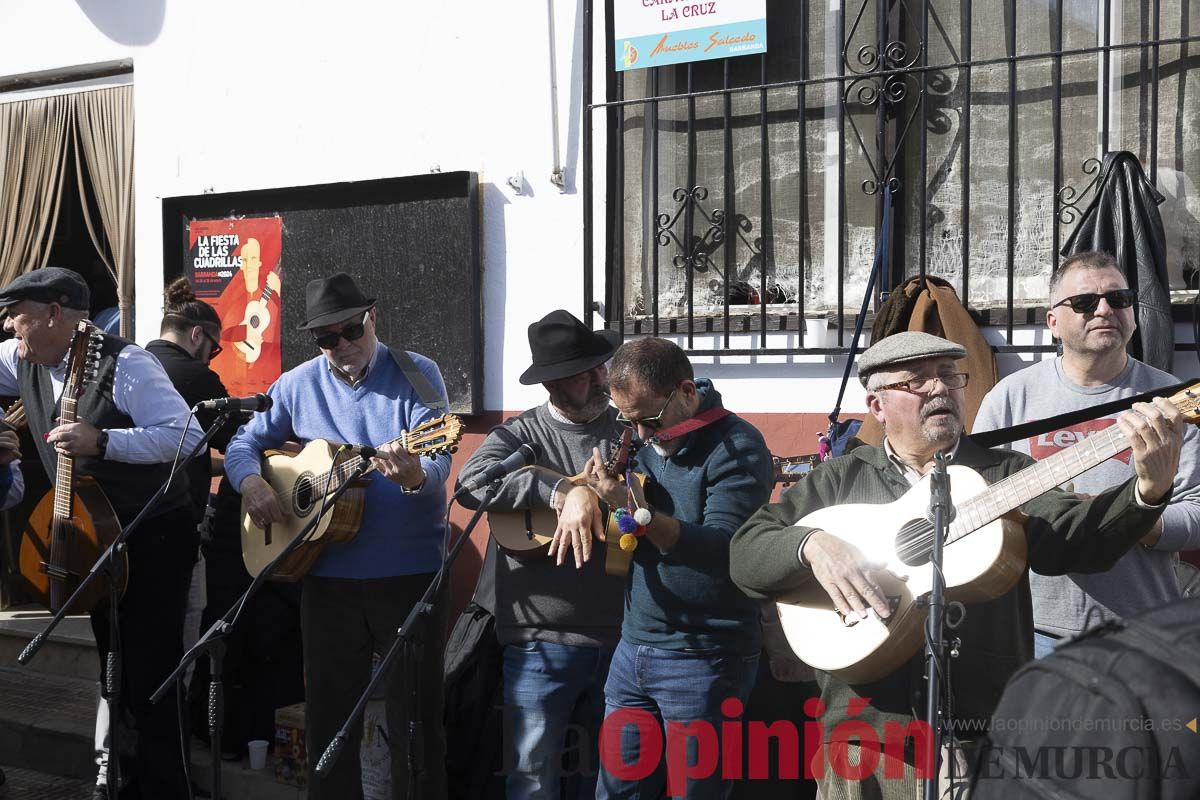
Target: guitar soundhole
{"points": [[253, 320], [914, 542], [302, 502]]}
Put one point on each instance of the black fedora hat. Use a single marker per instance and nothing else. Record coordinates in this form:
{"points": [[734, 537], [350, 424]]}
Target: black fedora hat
{"points": [[563, 346], [333, 299]]}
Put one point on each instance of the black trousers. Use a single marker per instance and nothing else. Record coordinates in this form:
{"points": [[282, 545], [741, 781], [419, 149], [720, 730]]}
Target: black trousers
{"points": [[344, 621], [150, 624]]}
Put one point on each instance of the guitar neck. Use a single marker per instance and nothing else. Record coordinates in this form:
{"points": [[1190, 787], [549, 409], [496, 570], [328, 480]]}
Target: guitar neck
{"points": [[64, 474], [1034, 480]]}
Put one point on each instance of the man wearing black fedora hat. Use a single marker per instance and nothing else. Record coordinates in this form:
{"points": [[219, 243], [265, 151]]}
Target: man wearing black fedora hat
{"points": [[558, 617], [357, 594]]}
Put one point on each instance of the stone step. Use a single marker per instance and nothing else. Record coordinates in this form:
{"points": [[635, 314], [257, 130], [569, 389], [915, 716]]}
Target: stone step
{"points": [[47, 726], [26, 784], [70, 650]]}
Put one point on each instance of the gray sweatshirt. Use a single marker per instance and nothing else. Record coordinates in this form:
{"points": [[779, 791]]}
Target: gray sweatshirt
{"points": [[537, 599], [1143, 578]]}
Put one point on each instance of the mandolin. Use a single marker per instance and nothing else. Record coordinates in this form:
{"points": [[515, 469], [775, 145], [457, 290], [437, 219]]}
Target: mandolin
{"points": [[74, 523], [304, 479], [984, 556], [526, 533]]}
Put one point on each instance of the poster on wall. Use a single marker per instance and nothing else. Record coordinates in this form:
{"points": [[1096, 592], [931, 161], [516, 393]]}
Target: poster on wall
{"points": [[654, 33], [234, 266]]}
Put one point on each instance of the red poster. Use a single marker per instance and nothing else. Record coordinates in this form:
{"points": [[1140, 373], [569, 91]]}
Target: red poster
{"points": [[233, 265]]}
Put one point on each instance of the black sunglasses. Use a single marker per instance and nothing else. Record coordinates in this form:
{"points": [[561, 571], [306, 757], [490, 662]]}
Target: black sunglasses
{"points": [[1087, 303], [650, 423], [351, 333], [216, 345]]}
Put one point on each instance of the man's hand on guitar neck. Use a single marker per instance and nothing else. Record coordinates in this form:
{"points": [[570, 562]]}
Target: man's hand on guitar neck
{"points": [[579, 522], [610, 488], [1155, 432], [399, 466], [261, 502], [75, 439], [844, 573]]}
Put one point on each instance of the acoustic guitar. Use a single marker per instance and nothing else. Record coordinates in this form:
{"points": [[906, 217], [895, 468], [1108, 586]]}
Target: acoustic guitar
{"points": [[304, 479], [984, 556], [526, 534], [74, 523]]}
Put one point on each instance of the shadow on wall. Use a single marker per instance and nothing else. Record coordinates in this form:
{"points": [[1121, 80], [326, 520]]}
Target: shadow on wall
{"points": [[133, 22]]}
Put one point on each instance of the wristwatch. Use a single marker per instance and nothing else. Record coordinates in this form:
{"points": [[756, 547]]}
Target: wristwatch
{"points": [[102, 442], [417, 489]]}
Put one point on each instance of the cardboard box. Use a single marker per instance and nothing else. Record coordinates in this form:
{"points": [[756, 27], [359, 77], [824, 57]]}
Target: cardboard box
{"points": [[291, 757]]}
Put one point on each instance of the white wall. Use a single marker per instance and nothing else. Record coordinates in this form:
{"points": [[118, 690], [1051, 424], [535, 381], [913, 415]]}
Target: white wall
{"points": [[232, 96]]}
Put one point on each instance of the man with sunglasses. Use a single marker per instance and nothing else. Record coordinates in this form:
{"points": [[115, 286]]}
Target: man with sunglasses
{"points": [[358, 593], [558, 618], [690, 638], [915, 391], [1092, 314]]}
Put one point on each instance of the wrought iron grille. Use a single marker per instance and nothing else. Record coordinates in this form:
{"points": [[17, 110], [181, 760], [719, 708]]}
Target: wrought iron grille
{"points": [[986, 121]]}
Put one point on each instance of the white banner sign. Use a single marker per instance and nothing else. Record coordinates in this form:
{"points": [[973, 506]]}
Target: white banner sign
{"points": [[653, 33]]}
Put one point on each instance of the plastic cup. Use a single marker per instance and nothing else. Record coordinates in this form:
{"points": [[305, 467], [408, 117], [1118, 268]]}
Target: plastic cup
{"points": [[258, 753]]}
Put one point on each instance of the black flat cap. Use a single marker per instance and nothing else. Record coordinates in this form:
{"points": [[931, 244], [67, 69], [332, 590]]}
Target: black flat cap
{"points": [[333, 299], [48, 285]]}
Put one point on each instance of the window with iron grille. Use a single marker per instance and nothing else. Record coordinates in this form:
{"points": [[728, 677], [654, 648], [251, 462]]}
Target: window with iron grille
{"points": [[746, 193]]}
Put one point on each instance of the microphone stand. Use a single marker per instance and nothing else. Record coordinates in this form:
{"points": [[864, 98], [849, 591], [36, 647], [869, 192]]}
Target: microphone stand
{"points": [[107, 565], [406, 636], [940, 513], [213, 640]]}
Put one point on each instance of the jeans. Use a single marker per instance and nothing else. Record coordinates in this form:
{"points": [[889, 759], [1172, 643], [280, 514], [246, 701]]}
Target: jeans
{"points": [[651, 688], [1043, 644], [549, 690]]}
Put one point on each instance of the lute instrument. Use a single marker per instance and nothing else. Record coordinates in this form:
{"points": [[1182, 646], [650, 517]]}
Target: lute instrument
{"points": [[984, 556], [304, 479], [73, 524], [526, 533]]}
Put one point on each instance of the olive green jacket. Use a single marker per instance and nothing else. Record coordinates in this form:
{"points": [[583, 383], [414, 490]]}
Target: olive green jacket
{"points": [[1064, 534]]}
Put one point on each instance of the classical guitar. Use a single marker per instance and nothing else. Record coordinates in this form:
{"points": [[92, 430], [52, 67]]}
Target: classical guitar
{"points": [[526, 534], [984, 556], [256, 321], [74, 523], [304, 479]]}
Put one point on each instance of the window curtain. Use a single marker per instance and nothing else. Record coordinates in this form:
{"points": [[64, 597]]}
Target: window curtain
{"points": [[104, 134], [33, 135]]}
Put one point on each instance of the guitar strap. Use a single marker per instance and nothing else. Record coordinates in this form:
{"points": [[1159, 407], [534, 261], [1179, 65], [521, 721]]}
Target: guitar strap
{"points": [[1038, 427], [421, 385], [690, 424]]}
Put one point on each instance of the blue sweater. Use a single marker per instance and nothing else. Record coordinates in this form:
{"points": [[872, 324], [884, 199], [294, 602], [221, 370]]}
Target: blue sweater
{"points": [[400, 534], [684, 599]]}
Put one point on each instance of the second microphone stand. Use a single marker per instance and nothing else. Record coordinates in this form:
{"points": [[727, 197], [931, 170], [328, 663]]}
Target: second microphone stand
{"points": [[213, 640], [406, 636]]}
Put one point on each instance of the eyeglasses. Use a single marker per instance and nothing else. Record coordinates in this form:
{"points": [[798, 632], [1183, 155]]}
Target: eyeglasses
{"points": [[351, 333], [216, 345], [650, 423], [1087, 303], [953, 380]]}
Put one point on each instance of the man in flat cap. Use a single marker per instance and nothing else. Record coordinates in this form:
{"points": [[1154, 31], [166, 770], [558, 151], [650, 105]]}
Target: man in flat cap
{"points": [[915, 391], [558, 617], [130, 421], [358, 593]]}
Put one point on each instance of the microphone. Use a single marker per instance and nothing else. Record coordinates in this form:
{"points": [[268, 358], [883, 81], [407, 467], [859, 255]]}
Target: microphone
{"points": [[523, 456], [362, 450], [258, 402]]}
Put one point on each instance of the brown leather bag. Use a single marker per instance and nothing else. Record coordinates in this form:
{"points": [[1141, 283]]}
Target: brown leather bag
{"points": [[931, 305]]}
